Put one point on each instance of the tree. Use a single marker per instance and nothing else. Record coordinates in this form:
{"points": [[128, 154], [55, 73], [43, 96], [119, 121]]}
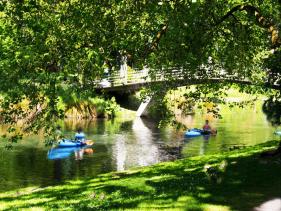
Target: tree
{"points": [[52, 48]]}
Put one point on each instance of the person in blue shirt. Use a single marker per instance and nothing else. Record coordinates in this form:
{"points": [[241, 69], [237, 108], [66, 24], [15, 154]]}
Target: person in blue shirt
{"points": [[79, 135]]}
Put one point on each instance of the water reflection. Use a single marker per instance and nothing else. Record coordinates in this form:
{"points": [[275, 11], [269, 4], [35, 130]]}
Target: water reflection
{"points": [[120, 153], [60, 153], [122, 144], [140, 150], [65, 152], [148, 152]]}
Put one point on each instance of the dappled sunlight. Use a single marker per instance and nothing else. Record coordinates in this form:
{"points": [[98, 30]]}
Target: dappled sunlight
{"points": [[270, 205], [199, 60], [164, 203], [31, 202], [180, 185], [211, 207], [162, 177]]}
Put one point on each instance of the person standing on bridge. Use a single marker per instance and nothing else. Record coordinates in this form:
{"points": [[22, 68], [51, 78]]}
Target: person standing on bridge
{"points": [[124, 67]]}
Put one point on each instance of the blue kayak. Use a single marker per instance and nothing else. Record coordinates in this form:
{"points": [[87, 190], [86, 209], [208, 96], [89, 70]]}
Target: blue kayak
{"points": [[70, 143], [61, 153], [195, 132]]}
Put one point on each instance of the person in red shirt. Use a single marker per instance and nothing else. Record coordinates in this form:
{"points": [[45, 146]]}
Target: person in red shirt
{"points": [[207, 127]]}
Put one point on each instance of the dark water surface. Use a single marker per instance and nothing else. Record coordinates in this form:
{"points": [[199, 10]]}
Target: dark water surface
{"points": [[126, 143]]}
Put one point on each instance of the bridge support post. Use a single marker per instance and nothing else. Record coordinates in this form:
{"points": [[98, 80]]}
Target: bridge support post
{"points": [[142, 110]]}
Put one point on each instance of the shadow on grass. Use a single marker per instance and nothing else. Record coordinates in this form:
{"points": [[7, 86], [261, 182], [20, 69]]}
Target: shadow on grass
{"points": [[243, 184]]}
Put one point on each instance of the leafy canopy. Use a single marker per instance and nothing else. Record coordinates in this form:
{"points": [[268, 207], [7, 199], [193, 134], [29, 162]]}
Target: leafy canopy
{"points": [[50, 49]]}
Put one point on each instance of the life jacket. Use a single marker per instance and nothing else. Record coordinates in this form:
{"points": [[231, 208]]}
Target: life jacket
{"points": [[80, 136]]}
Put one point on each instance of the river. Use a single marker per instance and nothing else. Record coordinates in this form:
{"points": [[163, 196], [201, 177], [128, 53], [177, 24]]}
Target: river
{"points": [[125, 143]]}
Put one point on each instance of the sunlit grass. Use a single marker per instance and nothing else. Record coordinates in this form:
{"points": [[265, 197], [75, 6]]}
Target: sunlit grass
{"points": [[226, 181]]}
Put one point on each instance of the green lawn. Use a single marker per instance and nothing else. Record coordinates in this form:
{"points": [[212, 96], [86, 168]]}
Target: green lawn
{"points": [[234, 180]]}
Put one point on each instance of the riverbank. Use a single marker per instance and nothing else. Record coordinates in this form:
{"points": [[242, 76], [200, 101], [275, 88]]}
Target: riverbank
{"points": [[234, 180]]}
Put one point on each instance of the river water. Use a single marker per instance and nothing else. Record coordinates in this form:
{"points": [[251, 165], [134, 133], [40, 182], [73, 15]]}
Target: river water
{"points": [[125, 143]]}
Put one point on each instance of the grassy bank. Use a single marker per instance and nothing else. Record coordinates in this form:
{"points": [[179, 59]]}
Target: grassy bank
{"points": [[234, 180]]}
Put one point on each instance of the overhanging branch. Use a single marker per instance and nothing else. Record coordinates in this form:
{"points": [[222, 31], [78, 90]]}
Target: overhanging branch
{"points": [[153, 46], [261, 21]]}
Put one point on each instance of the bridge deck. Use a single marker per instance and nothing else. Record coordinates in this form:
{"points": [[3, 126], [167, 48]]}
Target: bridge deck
{"points": [[136, 79]]}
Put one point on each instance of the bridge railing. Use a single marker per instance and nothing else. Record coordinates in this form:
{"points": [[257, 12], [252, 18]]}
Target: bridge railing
{"points": [[135, 76]]}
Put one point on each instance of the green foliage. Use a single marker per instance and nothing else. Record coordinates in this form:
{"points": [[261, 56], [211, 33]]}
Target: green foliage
{"points": [[50, 47], [88, 107], [105, 108]]}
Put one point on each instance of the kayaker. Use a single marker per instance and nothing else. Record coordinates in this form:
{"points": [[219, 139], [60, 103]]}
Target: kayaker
{"points": [[79, 135], [207, 128]]}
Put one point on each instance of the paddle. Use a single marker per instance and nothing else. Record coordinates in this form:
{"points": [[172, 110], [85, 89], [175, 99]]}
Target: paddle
{"points": [[89, 142]]}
